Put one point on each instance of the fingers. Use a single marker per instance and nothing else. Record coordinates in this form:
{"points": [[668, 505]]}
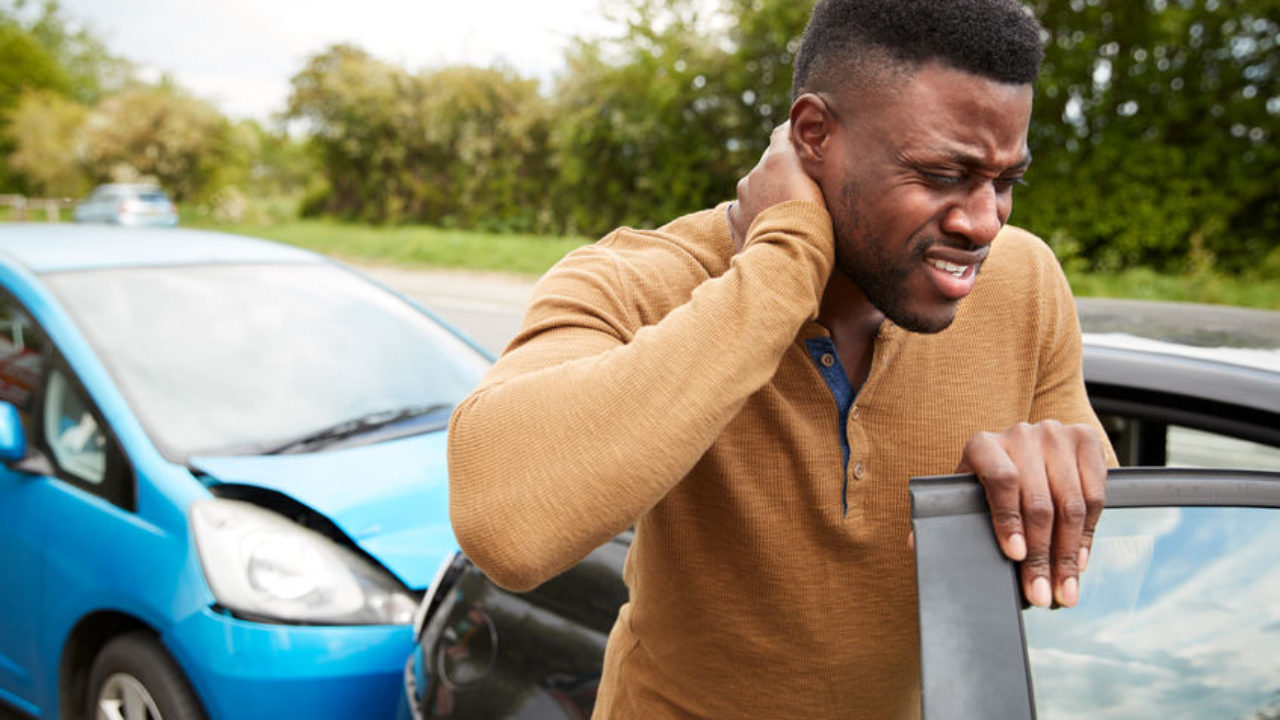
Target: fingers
{"points": [[781, 133], [778, 177], [1092, 463], [737, 228], [985, 456], [1045, 485], [1067, 522]]}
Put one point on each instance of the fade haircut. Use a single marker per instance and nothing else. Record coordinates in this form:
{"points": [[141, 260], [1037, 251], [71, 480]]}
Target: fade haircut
{"points": [[857, 42]]}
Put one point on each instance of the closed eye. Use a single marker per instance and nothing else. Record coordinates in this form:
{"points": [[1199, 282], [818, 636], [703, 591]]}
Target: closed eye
{"points": [[943, 180], [1004, 184]]}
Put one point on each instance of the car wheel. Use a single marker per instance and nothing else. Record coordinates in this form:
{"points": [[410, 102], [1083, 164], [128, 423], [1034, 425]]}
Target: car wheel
{"points": [[134, 678]]}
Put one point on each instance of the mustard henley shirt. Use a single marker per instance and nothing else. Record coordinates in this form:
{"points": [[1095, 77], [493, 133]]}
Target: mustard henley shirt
{"points": [[663, 381]]}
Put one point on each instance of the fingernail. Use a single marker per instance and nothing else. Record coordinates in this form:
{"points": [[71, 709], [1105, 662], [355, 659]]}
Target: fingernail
{"points": [[1083, 560], [1017, 547], [1069, 593], [1040, 594]]}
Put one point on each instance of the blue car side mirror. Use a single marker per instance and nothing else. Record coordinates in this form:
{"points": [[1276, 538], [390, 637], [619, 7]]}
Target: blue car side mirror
{"points": [[13, 438]]}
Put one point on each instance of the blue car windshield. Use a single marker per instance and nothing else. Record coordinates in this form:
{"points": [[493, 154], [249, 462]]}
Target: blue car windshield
{"points": [[239, 359]]}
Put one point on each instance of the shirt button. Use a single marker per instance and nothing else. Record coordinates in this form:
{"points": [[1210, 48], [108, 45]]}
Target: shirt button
{"points": [[853, 413], [859, 471], [827, 359]]}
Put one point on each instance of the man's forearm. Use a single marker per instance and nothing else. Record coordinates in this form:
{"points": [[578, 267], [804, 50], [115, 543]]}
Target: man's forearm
{"points": [[551, 458]]}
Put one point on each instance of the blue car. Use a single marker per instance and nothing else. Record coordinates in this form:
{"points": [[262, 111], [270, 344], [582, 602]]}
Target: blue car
{"points": [[223, 489]]}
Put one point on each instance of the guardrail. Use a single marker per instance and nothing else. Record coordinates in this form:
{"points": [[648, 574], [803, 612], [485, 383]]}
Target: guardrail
{"points": [[23, 207]]}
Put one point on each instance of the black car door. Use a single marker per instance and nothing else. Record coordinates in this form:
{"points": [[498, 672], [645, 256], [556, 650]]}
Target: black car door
{"points": [[1179, 615]]}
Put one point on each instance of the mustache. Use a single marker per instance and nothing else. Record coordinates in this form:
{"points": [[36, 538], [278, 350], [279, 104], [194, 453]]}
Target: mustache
{"points": [[921, 246]]}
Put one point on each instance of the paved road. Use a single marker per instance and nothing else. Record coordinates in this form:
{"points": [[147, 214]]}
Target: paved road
{"points": [[486, 306]]}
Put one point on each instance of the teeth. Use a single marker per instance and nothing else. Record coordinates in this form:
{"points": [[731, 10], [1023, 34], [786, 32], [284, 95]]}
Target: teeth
{"points": [[955, 270]]}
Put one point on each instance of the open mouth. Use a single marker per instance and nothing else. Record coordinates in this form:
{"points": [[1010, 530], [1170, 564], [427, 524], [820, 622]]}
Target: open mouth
{"points": [[954, 278], [956, 271]]}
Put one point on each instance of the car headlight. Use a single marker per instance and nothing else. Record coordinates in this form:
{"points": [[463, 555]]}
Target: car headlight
{"points": [[261, 564]]}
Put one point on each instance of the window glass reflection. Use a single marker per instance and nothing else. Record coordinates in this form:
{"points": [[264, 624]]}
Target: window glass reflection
{"points": [[236, 359], [78, 446], [1178, 618], [1196, 448]]}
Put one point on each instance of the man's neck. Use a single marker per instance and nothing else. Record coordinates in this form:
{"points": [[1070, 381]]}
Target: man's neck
{"points": [[853, 322]]}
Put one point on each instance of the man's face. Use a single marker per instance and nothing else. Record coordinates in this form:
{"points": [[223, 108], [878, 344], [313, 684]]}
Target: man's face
{"points": [[919, 183]]}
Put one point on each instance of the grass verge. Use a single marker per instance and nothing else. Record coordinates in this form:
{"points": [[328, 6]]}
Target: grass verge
{"points": [[1199, 287], [418, 245], [532, 255]]}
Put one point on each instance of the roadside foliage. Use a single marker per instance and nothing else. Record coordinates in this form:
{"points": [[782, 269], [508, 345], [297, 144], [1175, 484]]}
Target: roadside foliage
{"points": [[73, 115], [460, 146], [1154, 133]]}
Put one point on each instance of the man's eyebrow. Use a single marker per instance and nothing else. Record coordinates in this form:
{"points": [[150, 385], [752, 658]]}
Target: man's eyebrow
{"points": [[964, 159], [1024, 163]]}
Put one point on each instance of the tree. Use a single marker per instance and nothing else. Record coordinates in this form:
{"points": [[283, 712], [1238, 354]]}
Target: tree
{"points": [[456, 146], [92, 72], [486, 148], [41, 50], [157, 133], [647, 126], [45, 128], [765, 36], [350, 102], [25, 65], [1154, 133]]}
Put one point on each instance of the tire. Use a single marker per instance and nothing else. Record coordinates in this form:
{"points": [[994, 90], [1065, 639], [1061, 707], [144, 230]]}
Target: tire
{"points": [[134, 678]]}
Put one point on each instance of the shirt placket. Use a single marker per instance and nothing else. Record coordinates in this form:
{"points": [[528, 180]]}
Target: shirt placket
{"points": [[822, 350]]}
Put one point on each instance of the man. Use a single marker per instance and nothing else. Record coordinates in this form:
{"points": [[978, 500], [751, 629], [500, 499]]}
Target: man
{"points": [[752, 386]]}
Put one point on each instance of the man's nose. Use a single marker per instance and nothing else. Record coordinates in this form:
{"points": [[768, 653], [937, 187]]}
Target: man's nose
{"points": [[979, 216]]}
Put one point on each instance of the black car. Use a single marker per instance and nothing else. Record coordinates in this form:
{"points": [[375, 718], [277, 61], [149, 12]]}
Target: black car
{"points": [[1178, 616]]}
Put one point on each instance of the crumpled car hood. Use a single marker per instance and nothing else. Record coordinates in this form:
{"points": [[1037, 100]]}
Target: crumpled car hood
{"points": [[391, 497]]}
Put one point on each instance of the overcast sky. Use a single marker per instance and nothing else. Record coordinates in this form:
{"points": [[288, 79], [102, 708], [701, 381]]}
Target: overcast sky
{"points": [[240, 54]]}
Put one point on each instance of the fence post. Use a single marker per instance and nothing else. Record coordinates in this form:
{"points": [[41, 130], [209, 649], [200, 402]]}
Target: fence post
{"points": [[50, 209], [18, 203], [21, 204]]}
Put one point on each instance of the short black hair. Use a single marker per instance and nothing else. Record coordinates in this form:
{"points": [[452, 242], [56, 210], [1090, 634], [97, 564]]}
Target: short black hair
{"points": [[848, 39]]}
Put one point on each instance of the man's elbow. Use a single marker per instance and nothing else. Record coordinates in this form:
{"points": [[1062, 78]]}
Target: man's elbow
{"points": [[499, 553], [486, 528]]}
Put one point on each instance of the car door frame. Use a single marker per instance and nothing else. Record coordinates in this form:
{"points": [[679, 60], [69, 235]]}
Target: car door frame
{"points": [[973, 651], [1156, 390]]}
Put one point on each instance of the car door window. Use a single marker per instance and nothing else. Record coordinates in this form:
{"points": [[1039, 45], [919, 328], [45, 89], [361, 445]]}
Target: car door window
{"points": [[22, 357], [56, 412], [1177, 619], [1188, 447], [77, 443], [1177, 616], [1154, 442]]}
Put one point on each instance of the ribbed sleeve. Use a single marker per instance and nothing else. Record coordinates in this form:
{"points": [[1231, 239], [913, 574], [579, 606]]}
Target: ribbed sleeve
{"points": [[591, 417]]}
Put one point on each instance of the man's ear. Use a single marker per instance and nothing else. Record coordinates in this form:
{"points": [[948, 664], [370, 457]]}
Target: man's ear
{"points": [[812, 127]]}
